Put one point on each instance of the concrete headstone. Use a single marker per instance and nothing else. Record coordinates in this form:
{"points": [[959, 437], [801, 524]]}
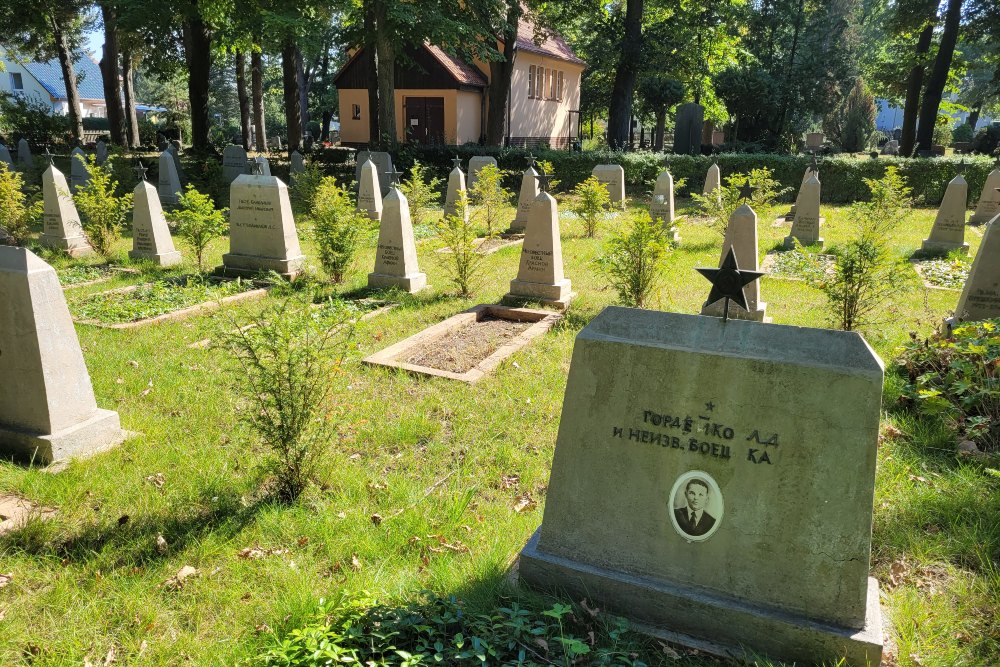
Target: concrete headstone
{"points": [[78, 174], [688, 129], [540, 273], [613, 177], [168, 183], [24, 157], [175, 152], [369, 192], [396, 255], [807, 222], [383, 166], [297, 164], [989, 200], [101, 152], [714, 480], [50, 411], [741, 236], [662, 206], [262, 235], [453, 199], [529, 191], [814, 140], [476, 163], [5, 158], [150, 235], [713, 180], [948, 232], [234, 162], [980, 299], [61, 226]]}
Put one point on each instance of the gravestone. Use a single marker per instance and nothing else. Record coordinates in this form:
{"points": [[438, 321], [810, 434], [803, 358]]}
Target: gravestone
{"points": [[477, 162], [948, 232], [980, 299], [714, 481], [262, 235], [24, 158], [807, 221], [662, 207], [989, 201], [168, 183], [5, 158], [234, 162], [613, 177], [175, 152], [741, 236], [383, 166], [891, 147], [297, 164], [529, 191], [814, 140], [396, 255], [369, 192], [50, 411], [61, 228], [811, 169], [78, 174], [265, 166], [540, 273], [687, 131], [713, 180], [150, 235], [452, 200], [101, 152]]}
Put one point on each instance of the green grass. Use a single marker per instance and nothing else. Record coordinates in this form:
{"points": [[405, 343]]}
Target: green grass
{"points": [[435, 459]]}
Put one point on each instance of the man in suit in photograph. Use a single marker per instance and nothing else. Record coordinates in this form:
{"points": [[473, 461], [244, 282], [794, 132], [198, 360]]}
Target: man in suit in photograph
{"points": [[693, 519]]}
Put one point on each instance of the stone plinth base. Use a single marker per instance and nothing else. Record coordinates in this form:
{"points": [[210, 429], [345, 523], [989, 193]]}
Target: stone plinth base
{"points": [[517, 227], [977, 219], [789, 243], [674, 234], [939, 247], [245, 266], [163, 259], [412, 283], [706, 620], [558, 295], [735, 312], [100, 432], [74, 247]]}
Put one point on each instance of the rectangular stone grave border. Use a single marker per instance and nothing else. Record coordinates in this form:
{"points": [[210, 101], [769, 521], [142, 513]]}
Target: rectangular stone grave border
{"points": [[543, 320], [506, 240], [767, 265], [177, 314], [923, 279], [113, 269]]}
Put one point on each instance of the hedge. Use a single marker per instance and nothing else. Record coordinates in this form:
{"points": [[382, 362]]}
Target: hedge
{"points": [[841, 176]]}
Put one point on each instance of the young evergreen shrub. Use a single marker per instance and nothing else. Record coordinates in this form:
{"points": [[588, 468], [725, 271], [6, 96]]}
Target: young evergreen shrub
{"points": [[462, 261], [337, 228], [197, 222], [490, 197], [718, 207], [634, 259], [592, 201], [421, 192], [17, 214], [304, 187], [102, 213]]}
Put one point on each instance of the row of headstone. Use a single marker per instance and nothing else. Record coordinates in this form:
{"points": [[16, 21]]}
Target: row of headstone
{"points": [[24, 157]]}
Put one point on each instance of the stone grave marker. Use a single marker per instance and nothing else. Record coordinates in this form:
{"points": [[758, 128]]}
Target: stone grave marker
{"points": [[811, 169], [396, 255], [540, 274], [61, 228], [78, 174], [101, 152], [5, 158], [297, 164], [714, 481], [662, 206], [265, 166], [24, 158], [168, 183], [529, 191], [383, 166], [948, 232], [891, 147], [50, 412], [814, 140], [262, 235], [980, 299], [713, 180], [741, 236], [456, 186], [175, 152], [234, 162], [807, 221], [613, 177], [688, 129], [989, 200], [150, 235], [477, 162], [369, 192]]}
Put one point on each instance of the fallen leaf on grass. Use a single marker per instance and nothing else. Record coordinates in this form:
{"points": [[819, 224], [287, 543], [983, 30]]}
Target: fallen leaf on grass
{"points": [[669, 652], [898, 572], [161, 544], [262, 628], [376, 519], [176, 582], [525, 503], [303, 541], [149, 388], [123, 519], [355, 563], [254, 553], [593, 611], [509, 481], [922, 480], [157, 480], [133, 363], [5, 579]]}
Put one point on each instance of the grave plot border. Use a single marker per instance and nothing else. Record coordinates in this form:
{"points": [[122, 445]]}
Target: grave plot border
{"points": [[509, 240], [916, 263], [112, 269]]}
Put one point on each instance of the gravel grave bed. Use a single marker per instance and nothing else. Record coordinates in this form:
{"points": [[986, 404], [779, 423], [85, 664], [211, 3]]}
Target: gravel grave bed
{"points": [[460, 350]]}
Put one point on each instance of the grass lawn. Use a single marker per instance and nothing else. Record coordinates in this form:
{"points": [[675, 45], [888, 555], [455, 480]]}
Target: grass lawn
{"points": [[441, 462]]}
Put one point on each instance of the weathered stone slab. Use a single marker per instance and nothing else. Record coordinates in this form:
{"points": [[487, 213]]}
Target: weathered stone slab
{"points": [[383, 165], [61, 228], [168, 183], [369, 192], [50, 412], [262, 234], [396, 255], [741, 236], [688, 128], [529, 191], [714, 481], [613, 178], [24, 157], [234, 162], [175, 153], [150, 235], [101, 152], [78, 174], [980, 299], [540, 274], [5, 158], [807, 221], [713, 180], [989, 201], [948, 232], [476, 163], [297, 164], [453, 199]]}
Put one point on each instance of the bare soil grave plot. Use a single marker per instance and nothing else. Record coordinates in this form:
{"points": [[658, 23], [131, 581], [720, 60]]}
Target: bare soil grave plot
{"points": [[467, 346]]}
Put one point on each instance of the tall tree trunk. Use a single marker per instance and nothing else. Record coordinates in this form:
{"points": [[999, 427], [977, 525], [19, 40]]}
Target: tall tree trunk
{"points": [[939, 76], [661, 125], [914, 83], [69, 78], [290, 88], [302, 83], [620, 109], [374, 131], [786, 97], [241, 93], [112, 77], [198, 56], [327, 115], [973, 118], [128, 88], [324, 133], [501, 73], [257, 92], [385, 49]]}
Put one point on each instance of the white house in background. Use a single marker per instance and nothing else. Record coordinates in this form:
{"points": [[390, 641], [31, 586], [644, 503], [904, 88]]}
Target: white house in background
{"points": [[890, 117], [43, 82]]}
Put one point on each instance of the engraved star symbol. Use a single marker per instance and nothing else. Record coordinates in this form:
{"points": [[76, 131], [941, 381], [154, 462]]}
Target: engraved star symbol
{"points": [[543, 181], [140, 171], [456, 162], [394, 176], [710, 406], [728, 282], [746, 192], [530, 159]]}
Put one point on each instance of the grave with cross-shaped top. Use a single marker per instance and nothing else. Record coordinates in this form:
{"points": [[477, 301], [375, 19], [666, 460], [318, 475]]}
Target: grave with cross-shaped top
{"points": [[383, 164], [989, 201], [61, 227]]}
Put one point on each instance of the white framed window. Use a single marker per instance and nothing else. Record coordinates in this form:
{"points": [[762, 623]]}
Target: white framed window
{"points": [[16, 82], [531, 82], [552, 85], [355, 112], [561, 87], [540, 82]]}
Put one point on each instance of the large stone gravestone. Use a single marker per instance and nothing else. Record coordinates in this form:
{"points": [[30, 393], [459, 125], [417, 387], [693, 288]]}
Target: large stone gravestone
{"points": [[101, 152], [807, 222], [24, 158], [61, 228], [383, 166], [713, 180], [234, 162], [262, 235], [714, 481], [49, 412], [78, 174], [948, 232], [168, 183], [540, 274], [477, 162], [741, 236], [980, 299], [369, 192], [5, 158], [453, 198], [396, 255], [613, 178], [150, 235], [175, 153], [687, 131], [297, 164], [989, 201], [525, 199], [661, 208]]}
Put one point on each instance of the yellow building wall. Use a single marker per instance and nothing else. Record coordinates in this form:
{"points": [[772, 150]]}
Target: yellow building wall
{"points": [[469, 125], [541, 117], [353, 131]]}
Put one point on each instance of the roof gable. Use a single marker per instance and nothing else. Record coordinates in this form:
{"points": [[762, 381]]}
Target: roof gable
{"points": [[549, 43], [429, 67]]}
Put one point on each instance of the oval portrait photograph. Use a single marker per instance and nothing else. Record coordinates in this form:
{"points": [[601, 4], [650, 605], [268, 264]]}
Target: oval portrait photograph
{"points": [[696, 506]]}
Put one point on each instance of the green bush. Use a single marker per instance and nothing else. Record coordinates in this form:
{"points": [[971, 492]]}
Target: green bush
{"points": [[963, 133], [462, 261], [337, 228], [17, 214], [987, 142], [421, 192], [490, 198], [634, 258], [197, 221], [591, 203], [718, 207], [304, 186], [28, 118], [102, 213]]}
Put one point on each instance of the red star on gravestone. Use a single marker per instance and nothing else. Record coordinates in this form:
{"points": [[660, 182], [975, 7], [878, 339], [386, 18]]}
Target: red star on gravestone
{"points": [[728, 282]]}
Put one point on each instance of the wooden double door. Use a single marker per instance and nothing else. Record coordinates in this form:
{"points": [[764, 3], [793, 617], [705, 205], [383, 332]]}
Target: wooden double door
{"points": [[424, 119]]}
